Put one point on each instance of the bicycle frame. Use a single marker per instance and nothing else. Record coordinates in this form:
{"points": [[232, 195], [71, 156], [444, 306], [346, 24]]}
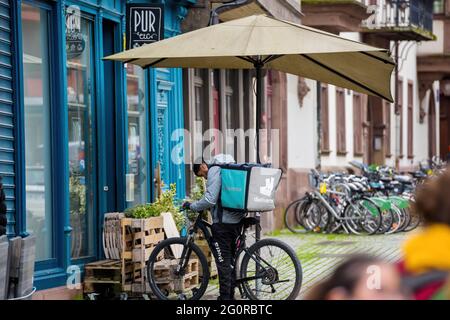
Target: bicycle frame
{"points": [[205, 227]]}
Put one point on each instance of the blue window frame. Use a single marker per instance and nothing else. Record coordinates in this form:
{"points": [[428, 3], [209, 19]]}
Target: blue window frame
{"points": [[35, 145]]}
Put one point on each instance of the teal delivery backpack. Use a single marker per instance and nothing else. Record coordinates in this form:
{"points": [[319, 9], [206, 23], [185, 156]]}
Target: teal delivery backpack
{"points": [[249, 187]]}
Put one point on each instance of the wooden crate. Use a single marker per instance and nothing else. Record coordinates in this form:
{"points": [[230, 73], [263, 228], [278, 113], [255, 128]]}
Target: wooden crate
{"points": [[107, 275], [139, 238]]}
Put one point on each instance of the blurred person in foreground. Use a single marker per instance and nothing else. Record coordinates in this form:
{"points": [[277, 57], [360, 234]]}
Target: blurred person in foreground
{"points": [[361, 277], [426, 255]]}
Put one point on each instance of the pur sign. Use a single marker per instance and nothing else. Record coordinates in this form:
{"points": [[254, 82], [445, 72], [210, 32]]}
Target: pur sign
{"points": [[144, 24]]}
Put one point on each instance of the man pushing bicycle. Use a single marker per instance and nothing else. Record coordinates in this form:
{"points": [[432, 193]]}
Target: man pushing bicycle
{"points": [[226, 225]]}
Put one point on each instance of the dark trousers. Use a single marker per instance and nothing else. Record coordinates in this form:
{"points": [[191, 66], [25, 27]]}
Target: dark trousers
{"points": [[224, 249]]}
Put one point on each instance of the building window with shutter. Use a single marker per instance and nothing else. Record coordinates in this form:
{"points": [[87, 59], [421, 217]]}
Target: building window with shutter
{"points": [[340, 122], [410, 120], [387, 129], [324, 113], [358, 121], [400, 110]]}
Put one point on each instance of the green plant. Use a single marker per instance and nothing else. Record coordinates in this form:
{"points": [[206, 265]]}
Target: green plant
{"points": [[197, 193], [165, 203], [77, 195], [198, 190]]}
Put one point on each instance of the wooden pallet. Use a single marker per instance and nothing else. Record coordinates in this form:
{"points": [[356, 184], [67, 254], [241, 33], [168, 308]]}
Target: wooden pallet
{"points": [[164, 273], [107, 275]]}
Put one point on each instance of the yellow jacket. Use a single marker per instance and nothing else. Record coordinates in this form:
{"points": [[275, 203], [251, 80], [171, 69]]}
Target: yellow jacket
{"points": [[430, 249]]}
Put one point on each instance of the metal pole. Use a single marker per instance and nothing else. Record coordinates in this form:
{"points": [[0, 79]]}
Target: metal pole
{"points": [[398, 128]]}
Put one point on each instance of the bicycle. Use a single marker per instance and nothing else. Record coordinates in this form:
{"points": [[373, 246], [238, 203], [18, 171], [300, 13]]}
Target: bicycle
{"points": [[260, 274]]}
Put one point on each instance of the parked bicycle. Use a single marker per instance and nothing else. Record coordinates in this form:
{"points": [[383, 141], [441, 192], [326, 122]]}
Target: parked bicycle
{"points": [[267, 270], [376, 202]]}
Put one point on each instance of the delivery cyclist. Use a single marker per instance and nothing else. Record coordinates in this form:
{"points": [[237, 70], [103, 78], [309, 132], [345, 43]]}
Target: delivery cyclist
{"points": [[226, 225]]}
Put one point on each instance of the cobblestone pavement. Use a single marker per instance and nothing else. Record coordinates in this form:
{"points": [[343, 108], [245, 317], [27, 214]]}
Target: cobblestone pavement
{"points": [[319, 254]]}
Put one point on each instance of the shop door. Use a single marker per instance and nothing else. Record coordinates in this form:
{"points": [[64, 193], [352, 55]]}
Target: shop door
{"points": [[112, 200], [94, 148], [81, 104]]}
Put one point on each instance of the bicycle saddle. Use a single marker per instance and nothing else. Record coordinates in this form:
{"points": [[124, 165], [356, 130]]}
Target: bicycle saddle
{"points": [[249, 221], [403, 178]]}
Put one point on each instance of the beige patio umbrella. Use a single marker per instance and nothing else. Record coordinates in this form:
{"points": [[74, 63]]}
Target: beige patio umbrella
{"points": [[262, 42]]}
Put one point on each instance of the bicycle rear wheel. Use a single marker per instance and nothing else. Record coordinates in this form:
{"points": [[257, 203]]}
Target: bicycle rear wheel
{"points": [[293, 215], [280, 273], [170, 278]]}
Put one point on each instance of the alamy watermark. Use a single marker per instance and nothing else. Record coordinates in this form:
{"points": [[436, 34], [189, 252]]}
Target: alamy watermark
{"points": [[190, 146], [374, 277]]}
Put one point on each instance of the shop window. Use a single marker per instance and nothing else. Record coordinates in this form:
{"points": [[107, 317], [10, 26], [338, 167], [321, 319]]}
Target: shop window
{"points": [[266, 120], [230, 110], [438, 6], [201, 107], [400, 111], [324, 111], [37, 124], [340, 122], [137, 167], [387, 130], [410, 120], [358, 121]]}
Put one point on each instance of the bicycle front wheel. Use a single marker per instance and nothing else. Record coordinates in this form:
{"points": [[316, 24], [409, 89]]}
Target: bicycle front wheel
{"points": [[270, 270], [177, 270]]}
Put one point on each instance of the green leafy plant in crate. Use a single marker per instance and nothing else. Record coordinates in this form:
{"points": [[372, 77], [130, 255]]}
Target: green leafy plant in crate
{"points": [[197, 193], [165, 203]]}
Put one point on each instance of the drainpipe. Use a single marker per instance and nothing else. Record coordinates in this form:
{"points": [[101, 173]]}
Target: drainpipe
{"points": [[398, 128], [319, 125], [214, 16]]}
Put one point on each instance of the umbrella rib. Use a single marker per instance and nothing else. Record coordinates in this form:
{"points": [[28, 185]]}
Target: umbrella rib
{"points": [[271, 58], [378, 58], [154, 63], [344, 76], [248, 59], [130, 60]]}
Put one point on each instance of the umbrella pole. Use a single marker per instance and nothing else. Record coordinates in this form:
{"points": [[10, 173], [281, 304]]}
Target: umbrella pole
{"points": [[259, 101]]}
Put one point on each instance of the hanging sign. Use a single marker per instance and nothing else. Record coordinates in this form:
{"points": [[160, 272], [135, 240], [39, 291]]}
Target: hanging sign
{"points": [[144, 24], [75, 43]]}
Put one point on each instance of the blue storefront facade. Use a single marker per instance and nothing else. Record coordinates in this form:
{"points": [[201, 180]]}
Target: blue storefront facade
{"points": [[80, 136]]}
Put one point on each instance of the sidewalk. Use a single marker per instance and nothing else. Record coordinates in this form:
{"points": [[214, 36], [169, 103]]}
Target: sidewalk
{"points": [[320, 253]]}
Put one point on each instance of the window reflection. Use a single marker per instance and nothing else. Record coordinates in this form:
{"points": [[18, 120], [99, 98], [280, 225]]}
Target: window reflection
{"points": [[81, 154], [37, 128], [136, 180]]}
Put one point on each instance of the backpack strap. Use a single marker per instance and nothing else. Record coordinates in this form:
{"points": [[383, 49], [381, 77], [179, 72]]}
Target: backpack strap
{"points": [[219, 202]]}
